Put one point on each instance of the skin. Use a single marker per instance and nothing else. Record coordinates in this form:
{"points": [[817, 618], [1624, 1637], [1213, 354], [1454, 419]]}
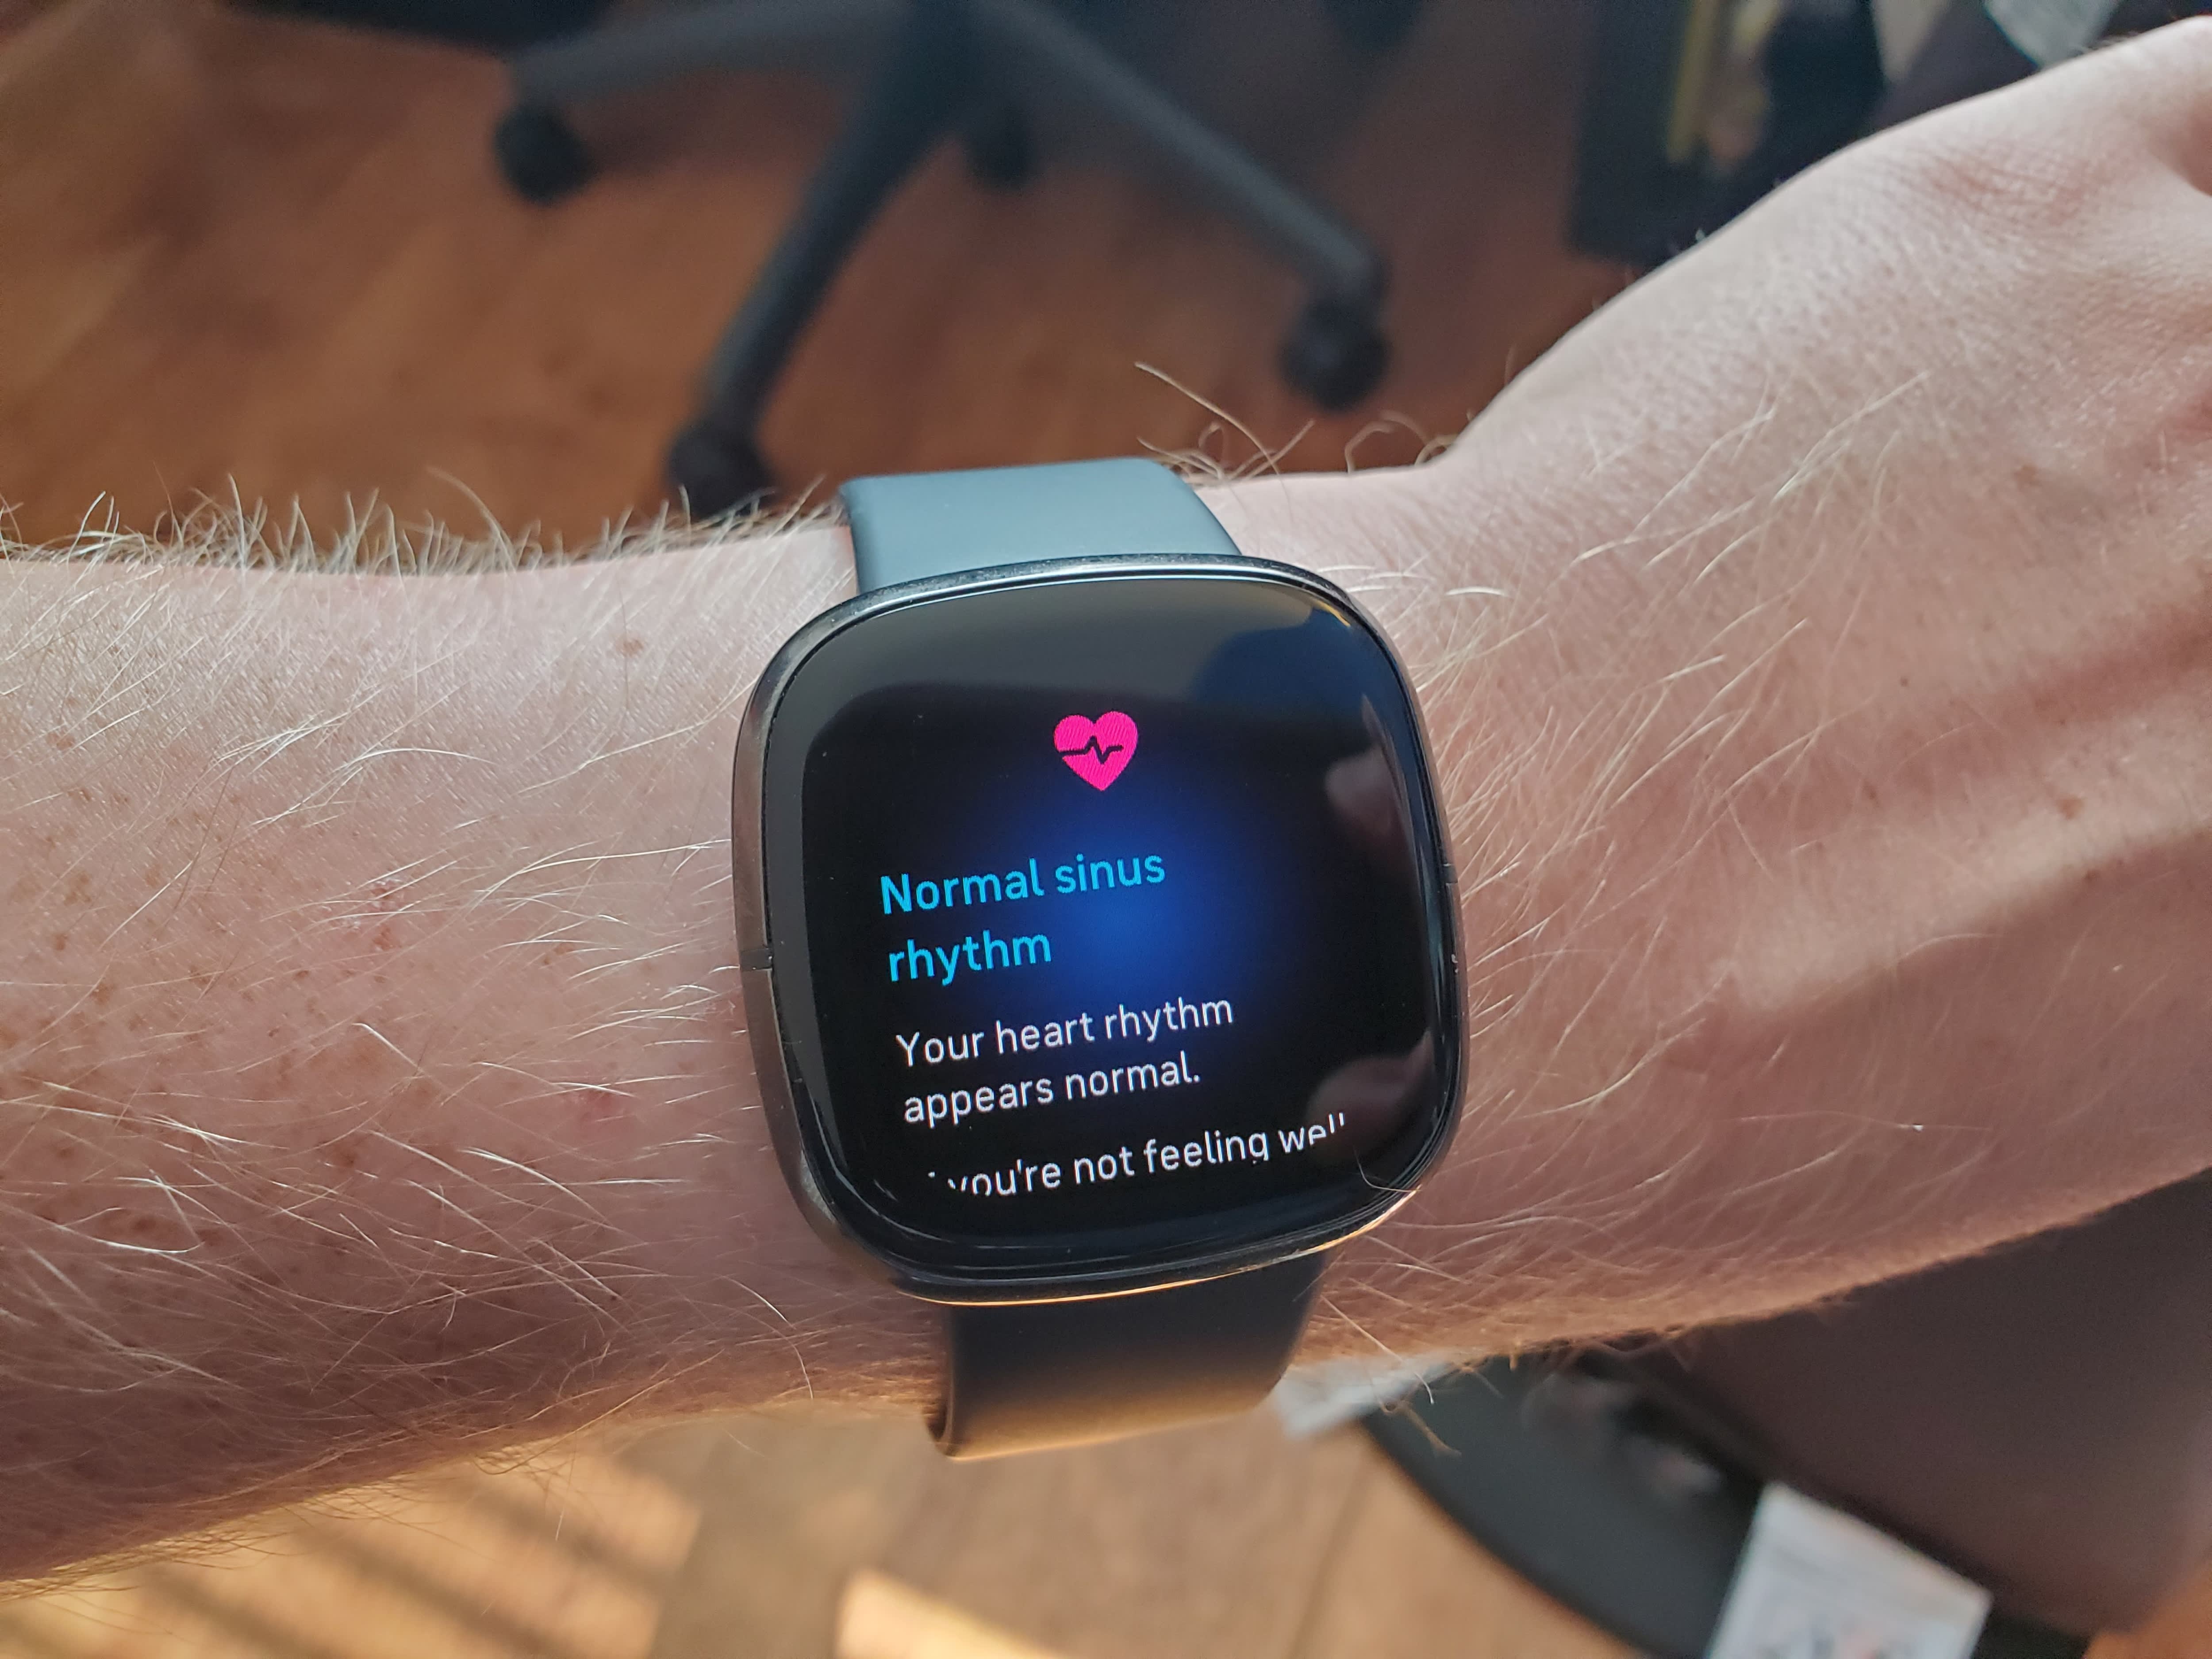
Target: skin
{"points": [[1817, 649]]}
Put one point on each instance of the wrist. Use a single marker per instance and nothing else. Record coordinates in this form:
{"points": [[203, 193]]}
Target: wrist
{"points": [[1809, 937], [748, 1305]]}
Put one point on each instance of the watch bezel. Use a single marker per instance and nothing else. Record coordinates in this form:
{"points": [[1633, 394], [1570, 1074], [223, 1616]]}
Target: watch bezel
{"points": [[793, 1118]]}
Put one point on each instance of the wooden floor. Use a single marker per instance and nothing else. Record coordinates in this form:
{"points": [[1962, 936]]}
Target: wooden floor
{"points": [[754, 1539], [743, 1538], [244, 255]]}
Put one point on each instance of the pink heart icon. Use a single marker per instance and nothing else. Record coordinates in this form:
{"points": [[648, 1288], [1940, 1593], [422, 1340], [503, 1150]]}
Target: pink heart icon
{"points": [[1095, 750]]}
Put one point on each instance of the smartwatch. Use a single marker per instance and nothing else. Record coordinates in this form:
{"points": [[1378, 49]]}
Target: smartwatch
{"points": [[1097, 936]]}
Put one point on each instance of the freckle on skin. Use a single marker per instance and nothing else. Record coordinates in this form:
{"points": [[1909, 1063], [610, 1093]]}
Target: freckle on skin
{"points": [[630, 645], [79, 890], [61, 943], [2070, 806], [61, 740], [596, 1102]]}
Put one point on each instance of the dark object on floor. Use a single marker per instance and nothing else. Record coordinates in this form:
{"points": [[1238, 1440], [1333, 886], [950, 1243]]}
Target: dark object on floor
{"points": [[1646, 185], [501, 25], [1571, 1479], [1964, 54], [963, 68], [1967, 54], [2022, 1416], [539, 154], [1650, 179]]}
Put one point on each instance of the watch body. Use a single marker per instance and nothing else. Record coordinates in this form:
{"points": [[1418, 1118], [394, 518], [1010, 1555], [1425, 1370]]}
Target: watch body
{"points": [[1097, 926]]}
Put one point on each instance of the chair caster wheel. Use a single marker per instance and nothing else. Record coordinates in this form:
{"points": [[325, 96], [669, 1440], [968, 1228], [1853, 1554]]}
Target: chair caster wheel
{"points": [[1373, 25], [1001, 149], [716, 473], [539, 154], [1335, 353]]}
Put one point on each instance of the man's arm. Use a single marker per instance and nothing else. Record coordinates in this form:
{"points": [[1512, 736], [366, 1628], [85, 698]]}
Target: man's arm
{"points": [[1817, 649], [375, 1079]]}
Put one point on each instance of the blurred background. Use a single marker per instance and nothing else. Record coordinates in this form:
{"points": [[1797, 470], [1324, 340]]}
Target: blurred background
{"points": [[388, 256], [244, 251]]}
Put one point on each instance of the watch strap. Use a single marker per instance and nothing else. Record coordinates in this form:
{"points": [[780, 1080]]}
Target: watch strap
{"points": [[1022, 1378], [1025, 1375], [937, 524]]}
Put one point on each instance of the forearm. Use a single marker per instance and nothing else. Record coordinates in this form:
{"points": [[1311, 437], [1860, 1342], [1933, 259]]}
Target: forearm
{"points": [[375, 1077], [1814, 652], [379, 1088]]}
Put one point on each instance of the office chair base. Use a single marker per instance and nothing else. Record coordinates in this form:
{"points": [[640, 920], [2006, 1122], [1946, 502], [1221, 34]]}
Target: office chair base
{"points": [[539, 154], [1335, 353], [713, 473], [942, 69]]}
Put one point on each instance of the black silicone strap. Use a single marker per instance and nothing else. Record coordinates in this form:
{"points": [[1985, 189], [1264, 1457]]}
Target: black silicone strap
{"points": [[1060, 1373]]}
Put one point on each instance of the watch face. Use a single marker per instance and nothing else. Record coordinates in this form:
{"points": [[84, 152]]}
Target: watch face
{"points": [[1108, 924]]}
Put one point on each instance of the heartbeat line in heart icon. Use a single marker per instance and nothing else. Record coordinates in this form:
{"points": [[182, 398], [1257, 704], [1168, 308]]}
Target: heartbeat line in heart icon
{"points": [[1097, 752]]}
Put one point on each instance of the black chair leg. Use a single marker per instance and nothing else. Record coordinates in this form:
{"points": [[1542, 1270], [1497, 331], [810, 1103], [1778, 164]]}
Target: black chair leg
{"points": [[1335, 352], [920, 87]]}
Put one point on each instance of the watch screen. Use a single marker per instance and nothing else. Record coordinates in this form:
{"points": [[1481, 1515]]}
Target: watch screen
{"points": [[1120, 914]]}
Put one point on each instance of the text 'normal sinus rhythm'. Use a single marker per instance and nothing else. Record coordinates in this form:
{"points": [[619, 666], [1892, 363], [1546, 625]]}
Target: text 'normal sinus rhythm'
{"points": [[905, 893]]}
